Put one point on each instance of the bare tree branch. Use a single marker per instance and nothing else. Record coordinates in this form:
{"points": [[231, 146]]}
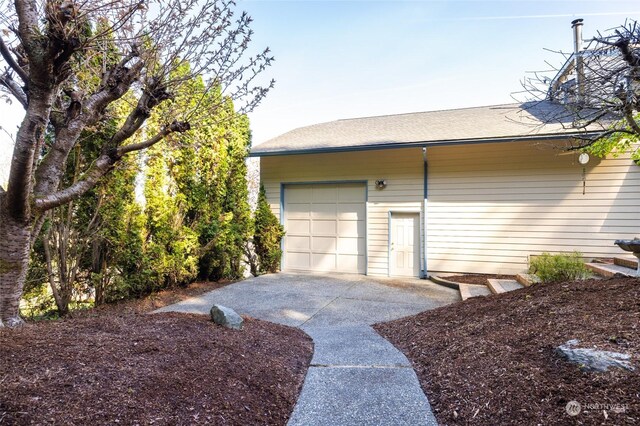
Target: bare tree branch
{"points": [[28, 28], [14, 88], [631, 121], [82, 63], [101, 167], [587, 141], [4, 50], [607, 94], [179, 127], [51, 168]]}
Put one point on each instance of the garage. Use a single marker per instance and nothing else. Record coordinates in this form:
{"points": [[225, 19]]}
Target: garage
{"points": [[326, 227]]}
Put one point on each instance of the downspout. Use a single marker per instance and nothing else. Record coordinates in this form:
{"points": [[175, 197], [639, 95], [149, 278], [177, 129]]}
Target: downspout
{"points": [[577, 52], [425, 271], [282, 264]]}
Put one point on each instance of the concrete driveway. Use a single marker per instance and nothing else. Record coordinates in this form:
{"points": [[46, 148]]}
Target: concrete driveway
{"points": [[356, 377], [307, 301]]}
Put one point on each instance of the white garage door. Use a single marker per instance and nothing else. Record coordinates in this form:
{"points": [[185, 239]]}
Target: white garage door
{"points": [[325, 227]]}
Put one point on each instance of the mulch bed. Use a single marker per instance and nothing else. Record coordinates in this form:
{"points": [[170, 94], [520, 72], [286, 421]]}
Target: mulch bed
{"points": [[491, 360], [162, 369], [477, 278], [156, 300]]}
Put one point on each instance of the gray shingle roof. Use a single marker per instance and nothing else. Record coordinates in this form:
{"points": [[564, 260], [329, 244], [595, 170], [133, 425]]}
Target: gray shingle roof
{"points": [[509, 122]]}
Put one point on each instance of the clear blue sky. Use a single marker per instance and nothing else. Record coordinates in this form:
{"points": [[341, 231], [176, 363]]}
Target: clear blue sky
{"points": [[341, 59]]}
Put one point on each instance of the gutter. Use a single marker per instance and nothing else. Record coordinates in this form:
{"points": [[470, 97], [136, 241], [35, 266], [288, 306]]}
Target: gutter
{"points": [[396, 145]]}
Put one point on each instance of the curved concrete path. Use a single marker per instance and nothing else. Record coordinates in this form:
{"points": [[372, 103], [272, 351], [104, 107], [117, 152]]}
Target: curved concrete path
{"points": [[356, 377]]}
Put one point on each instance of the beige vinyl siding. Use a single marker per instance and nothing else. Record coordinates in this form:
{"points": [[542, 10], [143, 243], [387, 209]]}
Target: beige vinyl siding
{"points": [[401, 168], [490, 206]]}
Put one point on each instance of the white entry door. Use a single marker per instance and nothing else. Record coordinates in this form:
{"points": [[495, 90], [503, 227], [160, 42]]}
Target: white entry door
{"points": [[404, 249]]}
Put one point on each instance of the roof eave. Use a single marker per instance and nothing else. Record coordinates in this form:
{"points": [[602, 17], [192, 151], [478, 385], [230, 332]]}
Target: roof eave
{"points": [[397, 145]]}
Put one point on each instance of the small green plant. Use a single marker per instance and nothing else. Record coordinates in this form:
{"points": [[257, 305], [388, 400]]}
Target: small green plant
{"points": [[268, 235], [559, 267], [37, 303]]}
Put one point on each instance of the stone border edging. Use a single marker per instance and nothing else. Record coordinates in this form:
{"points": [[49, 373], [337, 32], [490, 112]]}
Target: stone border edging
{"points": [[450, 284]]}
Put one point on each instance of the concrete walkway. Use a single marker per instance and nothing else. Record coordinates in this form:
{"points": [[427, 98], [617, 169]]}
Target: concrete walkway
{"points": [[356, 377]]}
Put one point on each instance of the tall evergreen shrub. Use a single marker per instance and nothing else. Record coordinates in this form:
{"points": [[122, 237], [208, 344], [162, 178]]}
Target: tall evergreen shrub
{"points": [[268, 235]]}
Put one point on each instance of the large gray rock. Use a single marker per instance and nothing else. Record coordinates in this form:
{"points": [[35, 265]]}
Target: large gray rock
{"points": [[226, 317], [594, 360]]}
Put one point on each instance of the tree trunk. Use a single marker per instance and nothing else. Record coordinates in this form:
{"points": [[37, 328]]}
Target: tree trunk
{"points": [[15, 242], [98, 270], [16, 219]]}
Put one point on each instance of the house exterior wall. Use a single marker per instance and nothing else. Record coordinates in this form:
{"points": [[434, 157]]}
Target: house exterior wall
{"points": [[489, 206], [401, 168]]}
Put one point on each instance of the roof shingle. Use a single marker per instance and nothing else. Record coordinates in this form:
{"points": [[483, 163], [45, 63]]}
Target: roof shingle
{"points": [[509, 122]]}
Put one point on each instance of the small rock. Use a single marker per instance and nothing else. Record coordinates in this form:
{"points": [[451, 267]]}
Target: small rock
{"points": [[226, 317], [594, 360]]}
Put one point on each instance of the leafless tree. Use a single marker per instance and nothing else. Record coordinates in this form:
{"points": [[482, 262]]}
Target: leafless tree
{"points": [[597, 90], [68, 63]]}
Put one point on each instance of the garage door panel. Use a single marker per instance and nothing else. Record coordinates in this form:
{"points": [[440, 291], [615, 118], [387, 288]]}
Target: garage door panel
{"points": [[299, 194], [324, 244], [298, 211], [323, 194], [298, 260], [324, 227], [351, 245], [324, 211], [349, 263], [351, 192], [298, 226], [352, 228], [351, 211], [323, 262], [296, 243]]}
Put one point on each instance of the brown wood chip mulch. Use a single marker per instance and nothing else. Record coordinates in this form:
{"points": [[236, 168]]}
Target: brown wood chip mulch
{"points": [[477, 278], [157, 300], [161, 369], [490, 360]]}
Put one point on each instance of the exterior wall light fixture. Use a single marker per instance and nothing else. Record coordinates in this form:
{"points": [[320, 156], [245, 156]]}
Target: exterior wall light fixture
{"points": [[381, 184], [583, 158]]}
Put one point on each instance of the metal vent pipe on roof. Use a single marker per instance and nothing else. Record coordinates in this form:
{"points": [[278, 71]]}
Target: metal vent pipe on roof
{"points": [[577, 52]]}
